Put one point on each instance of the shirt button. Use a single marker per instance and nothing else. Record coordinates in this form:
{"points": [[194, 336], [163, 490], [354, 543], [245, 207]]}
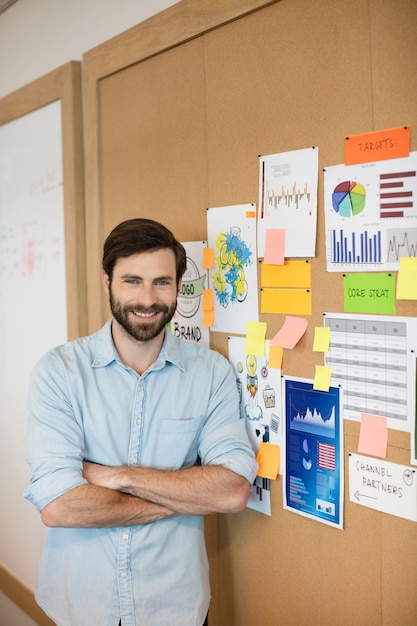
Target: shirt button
{"points": [[123, 574], [134, 459], [139, 421], [126, 536]]}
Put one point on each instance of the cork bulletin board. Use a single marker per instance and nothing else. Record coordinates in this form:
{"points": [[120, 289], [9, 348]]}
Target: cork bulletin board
{"points": [[176, 113]]}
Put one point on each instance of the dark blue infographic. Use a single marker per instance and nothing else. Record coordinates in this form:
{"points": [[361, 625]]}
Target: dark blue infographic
{"points": [[313, 484]]}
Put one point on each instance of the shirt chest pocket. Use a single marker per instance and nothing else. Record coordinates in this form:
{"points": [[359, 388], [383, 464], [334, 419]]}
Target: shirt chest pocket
{"points": [[177, 443]]}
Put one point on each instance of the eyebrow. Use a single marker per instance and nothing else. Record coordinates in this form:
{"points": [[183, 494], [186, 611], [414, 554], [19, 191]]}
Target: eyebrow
{"points": [[138, 277]]}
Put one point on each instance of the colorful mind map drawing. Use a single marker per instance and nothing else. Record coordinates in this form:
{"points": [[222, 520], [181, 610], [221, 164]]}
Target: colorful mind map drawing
{"points": [[233, 276], [233, 256]]}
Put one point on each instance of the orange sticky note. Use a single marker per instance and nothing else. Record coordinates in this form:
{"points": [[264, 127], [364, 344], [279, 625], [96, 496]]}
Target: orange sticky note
{"points": [[373, 435], [208, 319], [291, 332], [292, 273], [322, 378], [377, 146], [208, 258], [274, 246], [275, 356], [208, 300], [268, 459], [287, 301]]}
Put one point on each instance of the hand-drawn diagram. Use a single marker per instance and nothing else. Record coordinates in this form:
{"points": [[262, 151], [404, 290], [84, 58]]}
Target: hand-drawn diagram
{"points": [[232, 235], [233, 255], [260, 406]]}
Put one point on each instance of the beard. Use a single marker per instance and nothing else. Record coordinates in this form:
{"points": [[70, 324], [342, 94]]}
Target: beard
{"points": [[138, 330]]}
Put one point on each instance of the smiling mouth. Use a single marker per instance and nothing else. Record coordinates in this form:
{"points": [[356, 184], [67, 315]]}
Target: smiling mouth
{"points": [[143, 315]]}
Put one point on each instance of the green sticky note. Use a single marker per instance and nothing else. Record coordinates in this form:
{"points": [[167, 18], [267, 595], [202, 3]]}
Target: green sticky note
{"points": [[369, 293]]}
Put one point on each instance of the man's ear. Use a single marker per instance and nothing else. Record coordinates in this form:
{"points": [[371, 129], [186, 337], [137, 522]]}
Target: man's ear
{"points": [[179, 287], [105, 281]]}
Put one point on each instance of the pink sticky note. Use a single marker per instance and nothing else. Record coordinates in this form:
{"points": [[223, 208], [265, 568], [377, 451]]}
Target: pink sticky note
{"points": [[291, 332], [373, 436], [274, 246]]}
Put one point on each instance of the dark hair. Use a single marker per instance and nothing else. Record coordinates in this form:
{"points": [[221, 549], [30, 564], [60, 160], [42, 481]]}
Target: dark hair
{"points": [[141, 235]]}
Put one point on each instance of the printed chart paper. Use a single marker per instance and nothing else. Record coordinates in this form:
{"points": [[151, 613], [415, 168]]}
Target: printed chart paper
{"points": [[370, 214], [373, 359], [313, 484], [288, 200]]}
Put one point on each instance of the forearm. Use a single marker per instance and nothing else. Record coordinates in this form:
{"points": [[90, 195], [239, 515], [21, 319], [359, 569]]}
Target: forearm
{"points": [[92, 506], [194, 491]]}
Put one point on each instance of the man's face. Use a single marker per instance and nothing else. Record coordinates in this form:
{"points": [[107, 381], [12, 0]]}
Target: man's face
{"points": [[143, 293]]}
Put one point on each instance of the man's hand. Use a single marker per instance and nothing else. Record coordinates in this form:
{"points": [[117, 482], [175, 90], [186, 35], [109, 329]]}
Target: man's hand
{"points": [[102, 475]]}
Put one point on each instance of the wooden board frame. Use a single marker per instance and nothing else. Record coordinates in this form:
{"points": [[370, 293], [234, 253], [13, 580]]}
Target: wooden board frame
{"points": [[63, 84]]}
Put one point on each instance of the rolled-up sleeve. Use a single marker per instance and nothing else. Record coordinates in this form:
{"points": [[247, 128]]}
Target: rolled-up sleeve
{"points": [[224, 440], [55, 437]]}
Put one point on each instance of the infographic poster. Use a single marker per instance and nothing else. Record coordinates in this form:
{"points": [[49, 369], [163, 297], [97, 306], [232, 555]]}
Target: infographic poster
{"points": [[288, 200], [370, 214], [313, 484]]}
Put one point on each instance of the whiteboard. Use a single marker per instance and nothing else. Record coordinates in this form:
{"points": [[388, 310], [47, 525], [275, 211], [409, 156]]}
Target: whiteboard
{"points": [[33, 301]]}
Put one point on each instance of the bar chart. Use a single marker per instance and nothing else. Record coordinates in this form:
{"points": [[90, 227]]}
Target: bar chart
{"points": [[396, 193], [355, 247]]}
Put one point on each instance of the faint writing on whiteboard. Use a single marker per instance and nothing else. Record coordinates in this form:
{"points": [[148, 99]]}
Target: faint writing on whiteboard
{"points": [[27, 249], [49, 182]]}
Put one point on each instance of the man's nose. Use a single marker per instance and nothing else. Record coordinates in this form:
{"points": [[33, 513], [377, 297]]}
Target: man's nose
{"points": [[147, 295]]}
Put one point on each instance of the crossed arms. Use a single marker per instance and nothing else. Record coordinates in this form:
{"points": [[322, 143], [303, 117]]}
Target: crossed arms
{"points": [[125, 496]]}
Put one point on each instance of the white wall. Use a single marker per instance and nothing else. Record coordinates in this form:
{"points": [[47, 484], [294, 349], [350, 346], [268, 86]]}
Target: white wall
{"points": [[37, 36]]}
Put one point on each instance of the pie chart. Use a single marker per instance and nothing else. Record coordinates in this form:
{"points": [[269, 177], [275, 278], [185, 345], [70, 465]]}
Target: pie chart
{"points": [[348, 198]]}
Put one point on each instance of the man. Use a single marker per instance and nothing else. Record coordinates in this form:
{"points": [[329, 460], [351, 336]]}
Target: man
{"points": [[134, 435]]}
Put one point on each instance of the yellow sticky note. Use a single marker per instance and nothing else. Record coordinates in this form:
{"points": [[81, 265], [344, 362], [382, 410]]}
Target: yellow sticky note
{"points": [[208, 258], [208, 299], [268, 459], [407, 279], [322, 378], [373, 435], [321, 341], [275, 356], [255, 338]]}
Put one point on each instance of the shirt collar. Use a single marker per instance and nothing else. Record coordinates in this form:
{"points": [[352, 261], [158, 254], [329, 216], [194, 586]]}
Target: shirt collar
{"points": [[106, 353]]}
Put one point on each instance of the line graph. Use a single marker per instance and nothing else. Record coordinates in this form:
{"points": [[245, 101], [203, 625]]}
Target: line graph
{"points": [[401, 243], [289, 196]]}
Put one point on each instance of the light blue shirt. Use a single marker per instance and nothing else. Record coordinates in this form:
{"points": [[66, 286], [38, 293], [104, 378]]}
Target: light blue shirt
{"points": [[86, 405]]}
